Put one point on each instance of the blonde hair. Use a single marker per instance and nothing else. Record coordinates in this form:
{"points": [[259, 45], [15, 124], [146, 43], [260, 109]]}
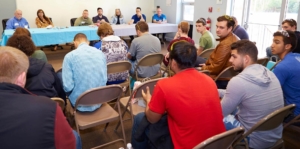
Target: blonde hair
{"points": [[13, 62]]}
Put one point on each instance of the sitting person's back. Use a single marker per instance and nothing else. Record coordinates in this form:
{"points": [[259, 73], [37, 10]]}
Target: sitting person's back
{"points": [[143, 45], [114, 48], [41, 78], [29, 121], [254, 93]]}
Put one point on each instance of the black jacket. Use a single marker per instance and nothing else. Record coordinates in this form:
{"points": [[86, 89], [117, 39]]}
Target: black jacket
{"points": [[42, 80], [297, 49]]}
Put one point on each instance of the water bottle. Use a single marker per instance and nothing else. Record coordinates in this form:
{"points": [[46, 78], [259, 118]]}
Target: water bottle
{"points": [[129, 146]]}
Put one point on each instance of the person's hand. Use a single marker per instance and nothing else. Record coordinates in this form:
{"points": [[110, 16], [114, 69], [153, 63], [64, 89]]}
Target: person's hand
{"points": [[201, 65], [102, 20], [167, 56], [142, 19], [147, 95]]}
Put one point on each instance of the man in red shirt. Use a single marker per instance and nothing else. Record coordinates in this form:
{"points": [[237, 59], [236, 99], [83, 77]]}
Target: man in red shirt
{"points": [[189, 98]]}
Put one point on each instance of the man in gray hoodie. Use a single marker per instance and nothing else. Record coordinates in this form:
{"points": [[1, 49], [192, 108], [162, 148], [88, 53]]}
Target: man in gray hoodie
{"points": [[251, 95]]}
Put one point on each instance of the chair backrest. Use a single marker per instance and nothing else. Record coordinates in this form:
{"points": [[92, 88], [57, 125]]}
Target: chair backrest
{"points": [[206, 53], [137, 92], [72, 21], [227, 73], [116, 67], [295, 120], [4, 24], [60, 102], [151, 59], [223, 140], [263, 61], [99, 95], [271, 121]]}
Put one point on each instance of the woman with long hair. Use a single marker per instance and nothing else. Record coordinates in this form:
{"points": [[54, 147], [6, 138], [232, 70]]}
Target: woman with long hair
{"points": [[118, 18], [42, 20]]}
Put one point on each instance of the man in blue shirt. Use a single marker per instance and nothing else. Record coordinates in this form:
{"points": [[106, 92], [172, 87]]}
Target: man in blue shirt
{"points": [[288, 69], [17, 21], [83, 69], [159, 18], [136, 18]]}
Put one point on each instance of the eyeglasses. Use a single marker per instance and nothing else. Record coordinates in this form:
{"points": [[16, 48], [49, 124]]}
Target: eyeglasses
{"points": [[284, 33], [228, 17]]}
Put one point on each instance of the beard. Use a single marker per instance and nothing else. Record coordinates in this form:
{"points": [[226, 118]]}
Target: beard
{"points": [[239, 68]]}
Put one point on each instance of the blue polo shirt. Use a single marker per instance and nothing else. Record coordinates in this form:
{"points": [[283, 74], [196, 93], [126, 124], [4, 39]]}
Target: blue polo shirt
{"points": [[162, 17], [137, 19], [288, 73], [14, 23]]}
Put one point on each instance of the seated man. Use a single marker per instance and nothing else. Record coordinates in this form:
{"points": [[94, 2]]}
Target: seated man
{"points": [[159, 18], [84, 20], [255, 92], [238, 30], [207, 40], [141, 46], [219, 58], [83, 68], [17, 21], [29, 121], [193, 116], [136, 18], [100, 18], [288, 69]]}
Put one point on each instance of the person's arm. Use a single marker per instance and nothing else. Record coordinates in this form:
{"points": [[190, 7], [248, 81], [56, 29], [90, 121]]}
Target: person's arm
{"points": [[153, 19], [113, 20], [77, 22], [155, 105], [132, 20], [9, 24], [67, 74], [165, 19], [200, 50], [132, 52], [219, 60], [38, 23], [202, 44], [233, 96], [143, 18], [63, 133], [281, 73], [105, 18]]}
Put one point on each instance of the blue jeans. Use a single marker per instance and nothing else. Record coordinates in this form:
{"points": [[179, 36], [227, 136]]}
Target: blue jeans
{"points": [[78, 140], [135, 144], [133, 63], [231, 122]]}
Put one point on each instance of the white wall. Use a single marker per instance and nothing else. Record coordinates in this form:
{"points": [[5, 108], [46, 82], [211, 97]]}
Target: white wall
{"points": [[61, 11], [7, 9]]}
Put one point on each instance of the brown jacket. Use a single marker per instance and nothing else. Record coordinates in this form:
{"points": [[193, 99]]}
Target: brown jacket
{"points": [[219, 58], [40, 24]]}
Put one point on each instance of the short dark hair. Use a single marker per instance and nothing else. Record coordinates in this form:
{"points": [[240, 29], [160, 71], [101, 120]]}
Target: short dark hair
{"points": [[201, 20], [289, 37], [142, 26], [185, 54], [139, 8], [228, 19], [291, 22], [80, 36], [99, 8], [246, 47], [22, 42]]}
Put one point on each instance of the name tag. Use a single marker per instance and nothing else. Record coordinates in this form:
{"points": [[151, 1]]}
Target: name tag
{"points": [[16, 24]]}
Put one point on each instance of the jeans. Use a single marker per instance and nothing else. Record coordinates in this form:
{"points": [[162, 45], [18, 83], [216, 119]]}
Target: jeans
{"points": [[231, 122], [135, 144], [133, 63], [78, 140]]}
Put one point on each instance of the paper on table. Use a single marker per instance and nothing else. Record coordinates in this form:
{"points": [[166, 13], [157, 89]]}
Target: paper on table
{"points": [[49, 26]]}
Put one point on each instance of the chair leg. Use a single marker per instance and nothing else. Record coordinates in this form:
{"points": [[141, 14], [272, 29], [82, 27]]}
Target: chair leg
{"points": [[105, 127], [122, 125]]}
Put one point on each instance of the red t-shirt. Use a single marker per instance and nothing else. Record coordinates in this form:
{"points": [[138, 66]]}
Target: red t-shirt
{"points": [[194, 111]]}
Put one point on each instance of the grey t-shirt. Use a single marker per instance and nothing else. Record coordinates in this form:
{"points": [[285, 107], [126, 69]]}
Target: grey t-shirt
{"points": [[141, 46]]}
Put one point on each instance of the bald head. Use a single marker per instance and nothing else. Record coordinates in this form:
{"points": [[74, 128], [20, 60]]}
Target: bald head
{"points": [[18, 14]]}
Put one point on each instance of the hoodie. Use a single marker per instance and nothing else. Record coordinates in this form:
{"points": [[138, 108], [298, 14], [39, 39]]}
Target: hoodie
{"points": [[42, 80], [255, 92]]}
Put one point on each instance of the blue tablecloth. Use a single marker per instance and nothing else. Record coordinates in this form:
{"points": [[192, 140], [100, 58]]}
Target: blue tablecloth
{"points": [[43, 36]]}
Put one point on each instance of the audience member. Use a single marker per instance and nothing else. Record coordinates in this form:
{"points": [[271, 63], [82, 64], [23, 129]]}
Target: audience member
{"points": [[42, 21], [83, 68], [136, 18], [38, 54], [41, 78], [182, 35], [84, 20], [193, 116], [255, 92], [29, 121], [100, 18], [143, 45], [159, 18], [219, 58], [238, 30], [288, 25], [207, 40], [17, 21], [288, 69], [118, 18], [114, 48]]}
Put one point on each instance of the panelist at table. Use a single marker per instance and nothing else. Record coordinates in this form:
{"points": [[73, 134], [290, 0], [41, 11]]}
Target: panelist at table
{"points": [[42, 20], [118, 18], [17, 21], [136, 18], [100, 18], [84, 20]]}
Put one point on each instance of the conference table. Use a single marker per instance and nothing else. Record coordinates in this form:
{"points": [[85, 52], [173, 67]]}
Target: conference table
{"points": [[61, 35]]}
